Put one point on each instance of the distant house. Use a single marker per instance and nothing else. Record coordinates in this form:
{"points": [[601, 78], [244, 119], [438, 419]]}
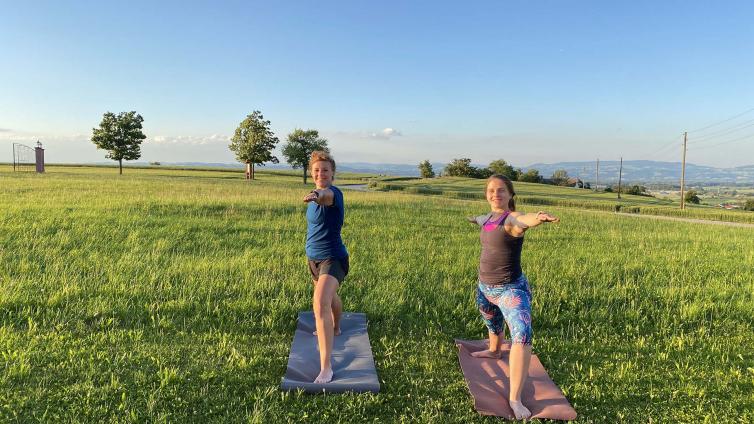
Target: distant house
{"points": [[728, 206], [575, 182]]}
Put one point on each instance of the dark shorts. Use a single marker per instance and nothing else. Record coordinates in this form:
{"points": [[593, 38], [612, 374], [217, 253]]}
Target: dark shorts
{"points": [[337, 268]]}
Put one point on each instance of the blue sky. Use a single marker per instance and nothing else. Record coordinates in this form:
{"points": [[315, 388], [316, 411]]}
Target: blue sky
{"points": [[387, 81]]}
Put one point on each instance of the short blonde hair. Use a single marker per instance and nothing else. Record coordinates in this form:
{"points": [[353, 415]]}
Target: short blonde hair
{"points": [[319, 156]]}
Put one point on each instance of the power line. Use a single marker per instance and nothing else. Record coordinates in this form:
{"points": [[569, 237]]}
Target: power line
{"points": [[723, 121], [751, 136], [664, 149], [733, 129], [668, 155]]}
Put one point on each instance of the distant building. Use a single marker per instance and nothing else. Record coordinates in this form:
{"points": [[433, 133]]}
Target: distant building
{"points": [[575, 182], [728, 206]]}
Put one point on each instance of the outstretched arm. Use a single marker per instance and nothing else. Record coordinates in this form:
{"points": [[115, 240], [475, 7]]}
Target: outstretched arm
{"points": [[478, 220], [323, 196], [521, 222]]}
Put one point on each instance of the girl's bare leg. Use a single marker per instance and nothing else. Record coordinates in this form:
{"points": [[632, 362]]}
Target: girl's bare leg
{"points": [[494, 351], [337, 312], [519, 366], [324, 292]]}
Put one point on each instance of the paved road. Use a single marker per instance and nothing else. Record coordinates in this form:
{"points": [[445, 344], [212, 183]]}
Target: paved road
{"points": [[357, 187], [692, 220]]}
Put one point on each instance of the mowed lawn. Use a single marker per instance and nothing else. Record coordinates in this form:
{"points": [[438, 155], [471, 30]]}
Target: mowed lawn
{"points": [[172, 297]]}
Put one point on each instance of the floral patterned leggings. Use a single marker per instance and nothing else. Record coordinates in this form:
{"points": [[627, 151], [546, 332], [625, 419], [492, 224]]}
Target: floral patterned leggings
{"points": [[510, 301]]}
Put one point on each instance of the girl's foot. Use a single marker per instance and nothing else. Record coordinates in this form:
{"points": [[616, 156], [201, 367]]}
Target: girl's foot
{"points": [[325, 376], [519, 410], [487, 354]]}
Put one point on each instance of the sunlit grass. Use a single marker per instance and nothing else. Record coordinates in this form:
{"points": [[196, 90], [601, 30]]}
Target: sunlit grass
{"points": [[172, 297]]}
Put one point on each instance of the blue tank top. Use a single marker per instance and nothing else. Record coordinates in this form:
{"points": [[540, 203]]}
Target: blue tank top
{"points": [[323, 229]]}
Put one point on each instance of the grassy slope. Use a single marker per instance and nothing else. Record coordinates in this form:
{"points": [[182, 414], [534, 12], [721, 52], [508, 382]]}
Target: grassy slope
{"points": [[531, 189], [543, 194], [183, 172], [173, 298]]}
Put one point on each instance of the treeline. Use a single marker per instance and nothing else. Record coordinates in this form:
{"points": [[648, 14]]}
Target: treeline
{"points": [[464, 168], [253, 141]]}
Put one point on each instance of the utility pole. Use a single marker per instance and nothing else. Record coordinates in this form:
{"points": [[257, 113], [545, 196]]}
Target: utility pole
{"points": [[584, 171], [683, 171], [597, 176], [620, 175]]}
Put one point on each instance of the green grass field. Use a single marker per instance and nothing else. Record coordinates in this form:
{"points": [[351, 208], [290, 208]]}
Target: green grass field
{"points": [[171, 296], [548, 195], [186, 172]]}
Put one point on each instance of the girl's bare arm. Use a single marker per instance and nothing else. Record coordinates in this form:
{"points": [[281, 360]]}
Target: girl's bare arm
{"points": [[323, 196], [518, 222]]}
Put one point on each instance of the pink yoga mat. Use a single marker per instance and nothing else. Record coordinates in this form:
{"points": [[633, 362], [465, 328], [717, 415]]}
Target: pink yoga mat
{"points": [[488, 381]]}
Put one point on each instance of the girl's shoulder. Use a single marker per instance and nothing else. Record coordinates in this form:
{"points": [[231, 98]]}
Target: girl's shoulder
{"points": [[511, 214], [479, 220]]}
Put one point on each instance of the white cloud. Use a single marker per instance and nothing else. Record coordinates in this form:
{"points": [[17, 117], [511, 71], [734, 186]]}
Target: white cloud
{"points": [[24, 137], [386, 134], [190, 139]]}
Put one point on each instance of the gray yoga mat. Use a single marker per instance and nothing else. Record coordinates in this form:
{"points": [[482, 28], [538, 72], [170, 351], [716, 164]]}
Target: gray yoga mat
{"points": [[353, 364]]}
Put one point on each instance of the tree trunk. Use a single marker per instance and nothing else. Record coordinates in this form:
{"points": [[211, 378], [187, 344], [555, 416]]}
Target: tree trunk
{"points": [[304, 175], [120, 166], [252, 171]]}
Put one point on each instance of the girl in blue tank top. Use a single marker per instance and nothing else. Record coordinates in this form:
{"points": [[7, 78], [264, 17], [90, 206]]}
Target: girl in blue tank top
{"points": [[327, 256]]}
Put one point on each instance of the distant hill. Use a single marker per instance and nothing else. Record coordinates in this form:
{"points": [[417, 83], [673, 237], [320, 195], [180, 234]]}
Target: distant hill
{"points": [[650, 172], [637, 171], [643, 171]]}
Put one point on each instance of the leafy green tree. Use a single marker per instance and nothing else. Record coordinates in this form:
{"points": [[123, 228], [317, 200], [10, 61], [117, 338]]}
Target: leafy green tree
{"points": [[463, 168], [299, 148], [691, 197], [749, 205], [460, 168], [502, 167], [482, 172], [426, 170], [530, 176], [253, 141], [637, 190], [560, 177], [120, 135]]}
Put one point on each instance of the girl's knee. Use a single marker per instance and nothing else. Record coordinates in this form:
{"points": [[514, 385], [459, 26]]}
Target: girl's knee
{"points": [[522, 335], [493, 319], [336, 302], [321, 308]]}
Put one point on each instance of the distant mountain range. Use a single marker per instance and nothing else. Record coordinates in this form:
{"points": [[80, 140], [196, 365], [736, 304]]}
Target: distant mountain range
{"points": [[637, 171], [647, 171]]}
